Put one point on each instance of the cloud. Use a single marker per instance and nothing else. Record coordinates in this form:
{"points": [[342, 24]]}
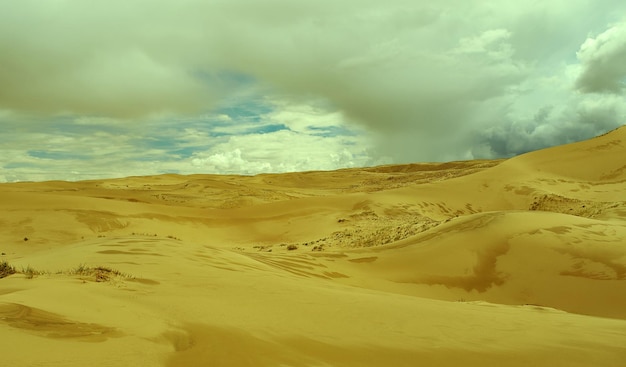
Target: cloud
{"points": [[302, 137], [431, 80], [230, 162], [220, 81], [602, 58], [550, 126], [78, 148], [104, 59]]}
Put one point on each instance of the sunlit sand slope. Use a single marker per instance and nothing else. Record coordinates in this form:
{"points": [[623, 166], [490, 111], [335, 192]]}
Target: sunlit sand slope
{"points": [[482, 263]]}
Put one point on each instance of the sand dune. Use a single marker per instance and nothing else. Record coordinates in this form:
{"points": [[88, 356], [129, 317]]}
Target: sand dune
{"points": [[482, 263]]}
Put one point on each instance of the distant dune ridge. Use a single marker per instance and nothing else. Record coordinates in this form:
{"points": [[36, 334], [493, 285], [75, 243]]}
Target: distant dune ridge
{"points": [[520, 262]]}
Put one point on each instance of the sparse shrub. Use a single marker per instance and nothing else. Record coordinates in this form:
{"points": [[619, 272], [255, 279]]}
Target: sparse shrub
{"points": [[100, 273], [292, 247], [6, 269], [103, 274]]}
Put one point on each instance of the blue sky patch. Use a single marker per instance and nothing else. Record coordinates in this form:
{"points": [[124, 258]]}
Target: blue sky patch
{"points": [[266, 129], [330, 131], [56, 155]]}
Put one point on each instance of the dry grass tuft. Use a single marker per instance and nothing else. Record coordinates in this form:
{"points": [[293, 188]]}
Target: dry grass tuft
{"points": [[30, 272]]}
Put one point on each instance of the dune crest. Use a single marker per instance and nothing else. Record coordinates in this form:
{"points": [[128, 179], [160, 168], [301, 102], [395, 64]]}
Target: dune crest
{"points": [[480, 263]]}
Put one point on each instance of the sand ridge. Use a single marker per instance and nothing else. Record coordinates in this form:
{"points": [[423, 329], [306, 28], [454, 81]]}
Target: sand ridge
{"points": [[481, 263]]}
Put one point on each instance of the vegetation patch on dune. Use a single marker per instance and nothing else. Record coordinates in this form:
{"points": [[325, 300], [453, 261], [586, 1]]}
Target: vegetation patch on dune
{"points": [[99, 273]]}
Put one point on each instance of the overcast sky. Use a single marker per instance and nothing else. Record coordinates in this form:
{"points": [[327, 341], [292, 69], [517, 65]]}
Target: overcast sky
{"points": [[93, 89]]}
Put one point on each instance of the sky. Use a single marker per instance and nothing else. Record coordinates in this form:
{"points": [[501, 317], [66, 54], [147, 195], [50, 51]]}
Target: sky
{"points": [[102, 89]]}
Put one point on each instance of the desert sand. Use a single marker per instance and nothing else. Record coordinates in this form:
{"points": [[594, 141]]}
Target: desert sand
{"points": [[518, 262]]}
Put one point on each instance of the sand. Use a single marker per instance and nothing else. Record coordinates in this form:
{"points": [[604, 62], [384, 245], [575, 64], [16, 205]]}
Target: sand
{"points": [[519, 262]]}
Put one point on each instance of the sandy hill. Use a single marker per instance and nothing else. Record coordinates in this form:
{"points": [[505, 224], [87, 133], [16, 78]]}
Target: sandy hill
{"points": [[519, 262]]}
